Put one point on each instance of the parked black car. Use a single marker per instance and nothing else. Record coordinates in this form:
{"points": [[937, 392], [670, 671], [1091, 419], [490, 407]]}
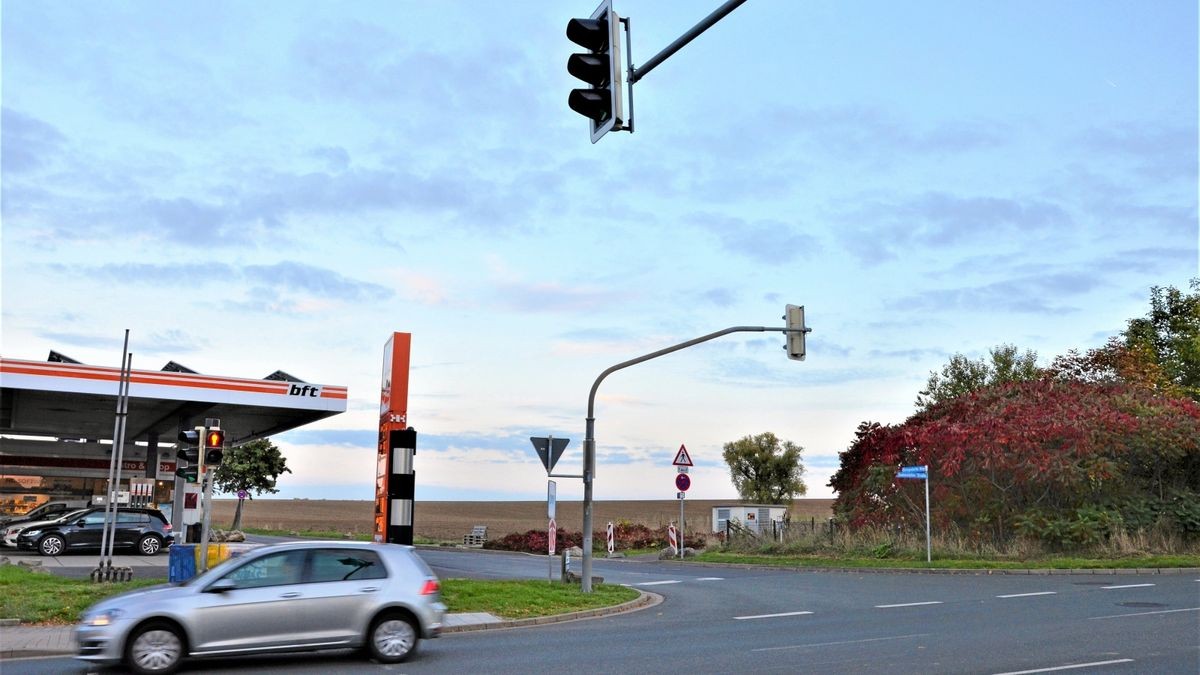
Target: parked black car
{"points": [[145, 530]]}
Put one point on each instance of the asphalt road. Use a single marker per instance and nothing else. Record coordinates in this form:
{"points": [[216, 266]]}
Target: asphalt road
{"points": [[727, 620]]}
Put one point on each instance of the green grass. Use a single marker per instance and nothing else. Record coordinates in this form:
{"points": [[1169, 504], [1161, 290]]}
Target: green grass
{"points": [[45, 598], [1052, 562], [50, 599], [524, 599]]}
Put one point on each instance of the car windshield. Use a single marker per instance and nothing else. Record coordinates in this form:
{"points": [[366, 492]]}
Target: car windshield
{"points": [[69, 515], [212, 573]]}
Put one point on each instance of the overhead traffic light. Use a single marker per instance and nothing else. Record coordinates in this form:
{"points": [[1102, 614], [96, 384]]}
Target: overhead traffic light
{"points": [[214, 447], [600, 68], [794, 316], [189, 468]]}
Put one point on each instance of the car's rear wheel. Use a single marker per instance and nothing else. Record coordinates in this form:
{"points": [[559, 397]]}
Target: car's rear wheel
{"points": [[52, 544], [392, 638], [149, 545], [154, 649]]}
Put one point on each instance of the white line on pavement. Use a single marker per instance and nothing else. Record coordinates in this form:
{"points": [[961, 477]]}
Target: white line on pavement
{"points": [[843, 642], [711, 579], [770, 616], [1160, 611], [1109, 588], [1070, 667], [1026, 595], [910, 604], [657, 583]]}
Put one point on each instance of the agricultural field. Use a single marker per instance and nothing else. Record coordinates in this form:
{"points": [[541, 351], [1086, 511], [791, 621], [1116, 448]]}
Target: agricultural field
{"points": [[449, 521]]}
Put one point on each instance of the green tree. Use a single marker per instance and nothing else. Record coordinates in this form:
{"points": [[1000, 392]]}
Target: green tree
{"points": [[765, 470], [961, 375], [253, 468], [1171, 332]]}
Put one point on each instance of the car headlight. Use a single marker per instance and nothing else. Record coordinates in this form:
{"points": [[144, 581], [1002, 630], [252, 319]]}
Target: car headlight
{"points": [[32, 533], [103, 617]]}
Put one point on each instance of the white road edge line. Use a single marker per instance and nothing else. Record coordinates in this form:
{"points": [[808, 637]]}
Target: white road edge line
{"points": [[910, 604], [657, 583], [843, 642], [1109, 588], [711, 579], [769, 616], [1160, 611], [1070, 667], [1027, 595]]}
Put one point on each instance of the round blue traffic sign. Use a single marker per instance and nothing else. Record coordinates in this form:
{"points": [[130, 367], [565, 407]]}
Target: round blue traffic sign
{"points": [[682, 482]]}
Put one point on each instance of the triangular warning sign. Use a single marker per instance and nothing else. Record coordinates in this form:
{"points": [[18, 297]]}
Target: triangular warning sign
{"points": [[682, 458]]}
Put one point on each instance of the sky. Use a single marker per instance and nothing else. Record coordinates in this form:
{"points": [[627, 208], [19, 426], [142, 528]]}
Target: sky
{"points": [[253, 186]]}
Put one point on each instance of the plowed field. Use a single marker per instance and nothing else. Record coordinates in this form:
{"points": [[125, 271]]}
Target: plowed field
{"points": [[449, 521]]}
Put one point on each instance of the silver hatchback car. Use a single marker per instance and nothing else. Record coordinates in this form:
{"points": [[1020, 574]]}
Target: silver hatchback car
{"points": [[288, 597]]}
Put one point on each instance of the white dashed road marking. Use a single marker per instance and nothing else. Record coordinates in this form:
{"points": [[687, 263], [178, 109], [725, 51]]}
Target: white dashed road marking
{"points": [[910, 604], [1026, 595], [1070, 667], [1110, 588], [711, 579], [770, 616], [658, 583]]}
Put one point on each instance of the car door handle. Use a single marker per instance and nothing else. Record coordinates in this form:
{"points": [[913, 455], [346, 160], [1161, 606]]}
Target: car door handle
{"points": [[293, 594], [368, 589]]}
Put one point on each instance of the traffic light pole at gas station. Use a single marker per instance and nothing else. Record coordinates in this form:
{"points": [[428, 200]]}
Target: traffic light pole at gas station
{"points": [[589, 441]]}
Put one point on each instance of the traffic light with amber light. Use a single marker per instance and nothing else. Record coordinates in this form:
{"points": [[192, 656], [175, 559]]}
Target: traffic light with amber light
{"points": [[600, 68], [794, 316], [188, 468], [214, 447]]}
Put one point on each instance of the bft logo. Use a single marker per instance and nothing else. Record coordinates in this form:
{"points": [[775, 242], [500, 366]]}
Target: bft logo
{"points": [[306, 390]]}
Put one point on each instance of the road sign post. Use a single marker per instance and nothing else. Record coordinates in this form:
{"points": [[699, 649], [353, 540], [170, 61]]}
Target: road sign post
{"points": [[610, 538], [921, 472], [682, 482]]}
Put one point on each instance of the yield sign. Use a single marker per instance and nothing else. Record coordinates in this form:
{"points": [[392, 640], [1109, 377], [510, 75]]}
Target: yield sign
{"points": [[549, 449], [682, 458]]}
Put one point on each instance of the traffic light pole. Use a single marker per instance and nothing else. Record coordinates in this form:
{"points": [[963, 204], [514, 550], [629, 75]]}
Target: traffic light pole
{"points": [[719, 13], [589, 441]]}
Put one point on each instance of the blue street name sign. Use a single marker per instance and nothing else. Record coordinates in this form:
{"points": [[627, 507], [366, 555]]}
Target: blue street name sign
{"points": [[913, 472]]}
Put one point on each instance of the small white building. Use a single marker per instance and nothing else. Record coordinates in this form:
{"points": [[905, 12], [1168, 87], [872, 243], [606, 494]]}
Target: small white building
{"points": [[756, 517]]}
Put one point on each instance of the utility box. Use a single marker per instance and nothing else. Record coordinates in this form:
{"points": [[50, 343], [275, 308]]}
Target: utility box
{"points": [[758, 518]]}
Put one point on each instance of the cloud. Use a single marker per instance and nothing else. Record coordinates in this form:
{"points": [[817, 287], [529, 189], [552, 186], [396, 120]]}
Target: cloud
{"points": [[767, 241], [554, 297], [1156, 153], [882, 229], [27, 143], [1036, 294]]}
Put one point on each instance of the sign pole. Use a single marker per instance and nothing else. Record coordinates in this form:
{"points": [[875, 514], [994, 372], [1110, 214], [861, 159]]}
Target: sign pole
{"points": [[681, 526], [928, 546]]}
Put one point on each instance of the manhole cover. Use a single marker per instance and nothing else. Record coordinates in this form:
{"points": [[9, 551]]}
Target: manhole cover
{"points": [[1140, 604]]}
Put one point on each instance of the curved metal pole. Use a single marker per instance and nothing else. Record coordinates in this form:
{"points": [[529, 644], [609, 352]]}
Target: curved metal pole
{"points": [[589, 441]]}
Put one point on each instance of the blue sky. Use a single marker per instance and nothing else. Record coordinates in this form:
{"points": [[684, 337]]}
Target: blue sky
{"points": [[280, 185]]}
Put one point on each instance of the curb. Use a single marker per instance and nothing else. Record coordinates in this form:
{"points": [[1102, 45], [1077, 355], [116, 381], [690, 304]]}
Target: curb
{"points": [[644, 600], [1097, 571]]}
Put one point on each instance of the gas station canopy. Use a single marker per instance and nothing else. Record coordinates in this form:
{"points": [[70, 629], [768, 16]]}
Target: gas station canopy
{"points": [[75, 402]]}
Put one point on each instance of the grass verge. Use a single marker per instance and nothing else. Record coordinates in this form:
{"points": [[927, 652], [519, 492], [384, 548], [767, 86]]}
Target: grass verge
{"points": [[49, 599], [526, 598], [1053, 562]]}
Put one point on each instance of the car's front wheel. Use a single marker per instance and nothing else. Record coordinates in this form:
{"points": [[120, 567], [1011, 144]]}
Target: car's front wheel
{"points": [[392, 638], [52, 544], [154, 649], [149, 545]]}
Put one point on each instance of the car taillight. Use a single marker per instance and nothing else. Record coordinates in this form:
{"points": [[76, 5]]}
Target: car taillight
{"points": [[431, 587], [166, 527]]}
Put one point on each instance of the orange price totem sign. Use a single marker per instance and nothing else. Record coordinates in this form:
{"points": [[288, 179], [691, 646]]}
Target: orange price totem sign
{"points": [[395, 480]]}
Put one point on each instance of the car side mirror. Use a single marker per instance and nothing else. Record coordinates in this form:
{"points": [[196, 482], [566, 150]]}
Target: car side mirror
{"points": [[221, 586]]}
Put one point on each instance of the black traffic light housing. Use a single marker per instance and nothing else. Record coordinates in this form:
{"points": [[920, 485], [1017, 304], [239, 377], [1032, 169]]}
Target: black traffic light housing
{"points": [[214, 446], [600, 68], [189, 453]]}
